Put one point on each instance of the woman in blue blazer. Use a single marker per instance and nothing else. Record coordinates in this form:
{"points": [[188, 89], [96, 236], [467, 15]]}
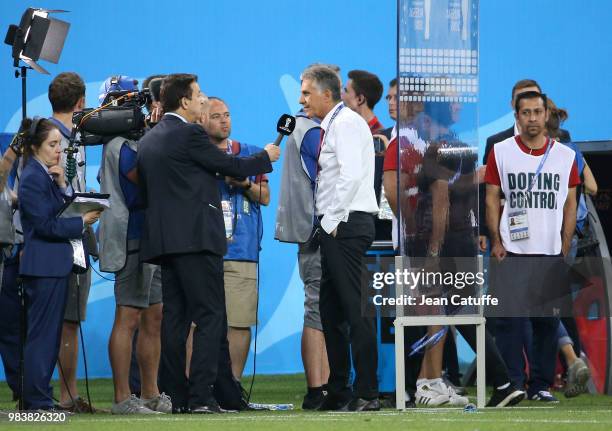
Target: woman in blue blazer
{"points": [[46, 260]]}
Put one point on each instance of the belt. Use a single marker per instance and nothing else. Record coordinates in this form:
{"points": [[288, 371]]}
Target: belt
{"points": [[351, 212]]}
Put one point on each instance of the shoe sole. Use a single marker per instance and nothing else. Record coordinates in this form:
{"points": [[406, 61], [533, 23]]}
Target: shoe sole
{"points": [[582, 376], [458, 403], [543, 400], [512, 399]]}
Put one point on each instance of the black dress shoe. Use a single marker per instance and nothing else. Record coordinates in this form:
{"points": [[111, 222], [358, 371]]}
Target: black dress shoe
{"points": [[210, 408], [206, 409], [363, 405], [334, 402], [313, 401]]}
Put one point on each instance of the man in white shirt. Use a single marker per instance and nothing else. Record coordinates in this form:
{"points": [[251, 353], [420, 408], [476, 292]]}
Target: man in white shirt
{"points": [[344, 204]]}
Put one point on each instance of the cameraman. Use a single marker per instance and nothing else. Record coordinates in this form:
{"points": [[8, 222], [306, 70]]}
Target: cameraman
{"points": [[67, 95], [137, 286], [153, 84]]}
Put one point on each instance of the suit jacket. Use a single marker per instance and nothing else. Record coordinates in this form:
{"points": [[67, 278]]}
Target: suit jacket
{"points": [[46, 252], [177, 167]]}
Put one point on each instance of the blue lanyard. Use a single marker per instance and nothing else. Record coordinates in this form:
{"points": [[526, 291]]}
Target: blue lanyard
{"points": [[331, 120], [316, 187], [426, 341], [549, 144]]}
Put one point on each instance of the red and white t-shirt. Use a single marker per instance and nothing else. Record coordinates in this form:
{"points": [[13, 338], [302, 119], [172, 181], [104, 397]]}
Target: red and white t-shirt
{"points": [[512, 166], [412, 149]]}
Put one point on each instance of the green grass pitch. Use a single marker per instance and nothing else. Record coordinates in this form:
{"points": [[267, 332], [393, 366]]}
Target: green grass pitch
{"points": [[587, 412]]}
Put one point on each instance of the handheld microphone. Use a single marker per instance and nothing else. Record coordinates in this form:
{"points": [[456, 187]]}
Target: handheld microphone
{"points": [[284, 127]]}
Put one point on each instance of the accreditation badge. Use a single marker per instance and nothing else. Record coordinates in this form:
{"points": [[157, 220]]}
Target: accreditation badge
{"points": [[246, 205], [518, 225], [228, 218]]}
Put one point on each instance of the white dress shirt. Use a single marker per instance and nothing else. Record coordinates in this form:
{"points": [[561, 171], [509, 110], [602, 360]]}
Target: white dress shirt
{"points": [[346, 176]]}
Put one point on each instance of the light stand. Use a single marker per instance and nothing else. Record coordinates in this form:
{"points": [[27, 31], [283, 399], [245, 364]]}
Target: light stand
{"points": [[36, 37]]}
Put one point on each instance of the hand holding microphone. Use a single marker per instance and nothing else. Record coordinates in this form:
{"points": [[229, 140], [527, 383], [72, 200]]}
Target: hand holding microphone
{"points": [[273, 151]]}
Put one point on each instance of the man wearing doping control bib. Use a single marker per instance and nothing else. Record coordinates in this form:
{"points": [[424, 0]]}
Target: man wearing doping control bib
{"points": [[538, 176]]}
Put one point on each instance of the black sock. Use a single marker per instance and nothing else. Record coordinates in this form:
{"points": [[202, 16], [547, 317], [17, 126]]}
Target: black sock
{"points": [[315, 391]]}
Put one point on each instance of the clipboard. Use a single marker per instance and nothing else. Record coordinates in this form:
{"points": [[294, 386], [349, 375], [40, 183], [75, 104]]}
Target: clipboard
{"points": [[82, 203]]}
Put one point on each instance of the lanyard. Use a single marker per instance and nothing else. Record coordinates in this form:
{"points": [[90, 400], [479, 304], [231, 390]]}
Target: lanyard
{"points": [[331, 120], [316, 188], [549, 144]]}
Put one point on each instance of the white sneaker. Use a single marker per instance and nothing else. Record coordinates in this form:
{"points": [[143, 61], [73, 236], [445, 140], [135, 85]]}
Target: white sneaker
{"points": [[160, 403], [432, 394], [455, 398], [578, 375], [131, 406]]}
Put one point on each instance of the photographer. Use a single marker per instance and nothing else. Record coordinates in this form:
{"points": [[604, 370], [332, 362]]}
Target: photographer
{"points": [[47, 258], [137, 286]]}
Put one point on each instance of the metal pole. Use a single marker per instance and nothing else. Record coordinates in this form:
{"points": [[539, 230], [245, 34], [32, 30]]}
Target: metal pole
{"points": [[24, 99], [481, 380], [400, 362]]}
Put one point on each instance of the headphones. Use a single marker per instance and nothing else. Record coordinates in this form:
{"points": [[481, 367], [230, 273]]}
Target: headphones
{"points": [[33, 126]]}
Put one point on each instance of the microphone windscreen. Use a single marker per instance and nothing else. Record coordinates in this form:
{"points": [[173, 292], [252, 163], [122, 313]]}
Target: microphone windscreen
{"points": [[285, 125]]}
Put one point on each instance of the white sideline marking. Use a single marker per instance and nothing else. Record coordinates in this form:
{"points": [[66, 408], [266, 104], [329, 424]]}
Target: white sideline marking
{"points": [[346, 417]]}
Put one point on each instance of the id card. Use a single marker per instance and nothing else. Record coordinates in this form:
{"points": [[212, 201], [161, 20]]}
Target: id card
{"points": [[228, 218], [518, 225]]}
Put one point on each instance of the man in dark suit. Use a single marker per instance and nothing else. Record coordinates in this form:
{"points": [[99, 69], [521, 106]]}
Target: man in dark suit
{"points": [[184, 232]]}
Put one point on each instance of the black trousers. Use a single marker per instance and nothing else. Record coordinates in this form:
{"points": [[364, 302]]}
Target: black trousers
{"points": [[193, 291], [345, 329], [46, 303]]}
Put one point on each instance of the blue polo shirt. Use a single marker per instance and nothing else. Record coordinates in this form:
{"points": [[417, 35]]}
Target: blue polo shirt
{"points": [[309, 151], [127, 162]]}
